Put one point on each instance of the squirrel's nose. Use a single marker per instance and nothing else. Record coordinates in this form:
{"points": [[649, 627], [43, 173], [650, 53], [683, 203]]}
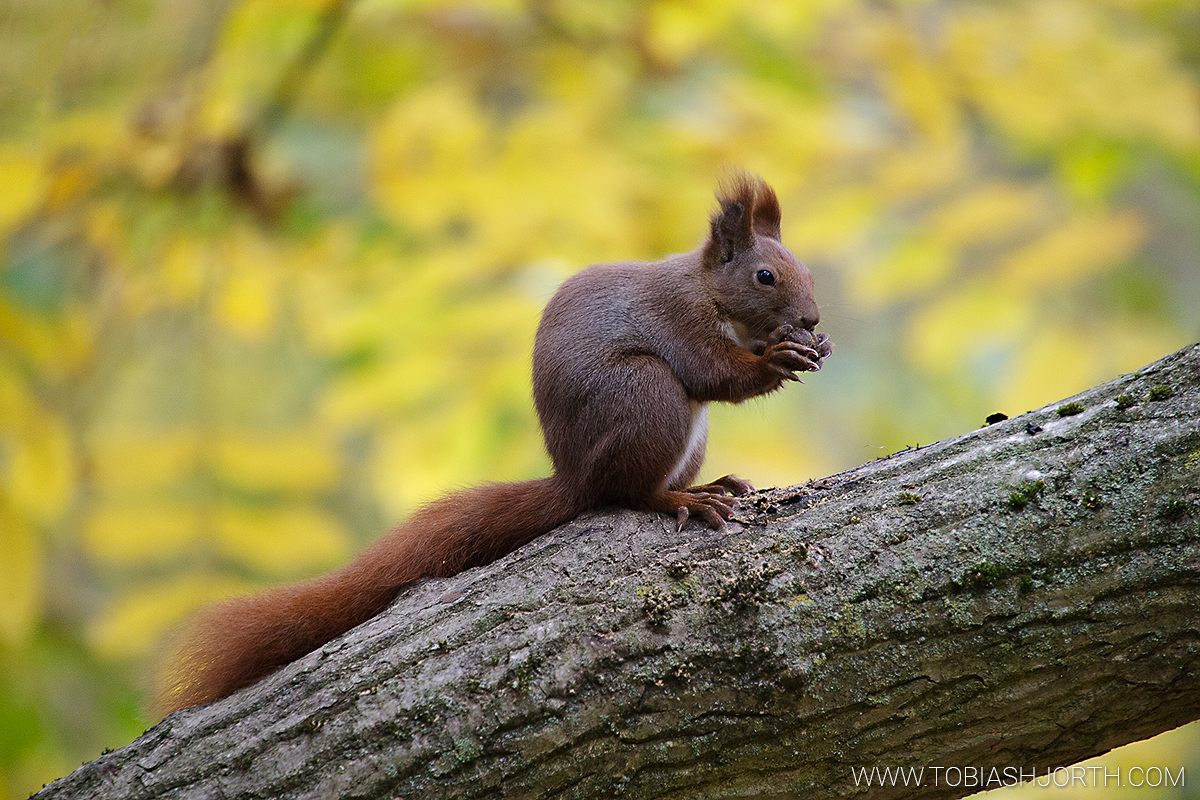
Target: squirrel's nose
{"points": [[809, 314]]}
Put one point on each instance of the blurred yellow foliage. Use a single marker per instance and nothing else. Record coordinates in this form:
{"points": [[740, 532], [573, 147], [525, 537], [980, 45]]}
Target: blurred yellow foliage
{"points": [[122, 533], [986, 214], [137, 621], [1053, 363], [918, 86], [1049, 70], [58, 343], [429, 152], [909, 269], [184, 270], [301, 460], [1060, 359], [257, 301], [282, 541], [923, 170], [676, 32], [22, 583], [950, 331], [23, 180], [833, 221], [136, 461], [248, 298], [1078, 248], [40, 474]]}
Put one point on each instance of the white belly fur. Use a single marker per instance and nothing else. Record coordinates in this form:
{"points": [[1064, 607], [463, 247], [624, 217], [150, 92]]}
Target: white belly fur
{"points": [[739, 334], [696, 438]]}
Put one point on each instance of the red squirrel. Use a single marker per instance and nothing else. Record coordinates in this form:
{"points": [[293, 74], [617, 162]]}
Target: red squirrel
{"points": [[625, 360]]}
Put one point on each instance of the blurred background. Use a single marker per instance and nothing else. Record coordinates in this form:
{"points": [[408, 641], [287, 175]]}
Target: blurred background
{"points": [[270, 269]]}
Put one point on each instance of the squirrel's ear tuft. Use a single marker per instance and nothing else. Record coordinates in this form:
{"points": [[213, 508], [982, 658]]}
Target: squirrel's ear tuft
{"points": [[748, 206], [733, 225], [766, 211]]}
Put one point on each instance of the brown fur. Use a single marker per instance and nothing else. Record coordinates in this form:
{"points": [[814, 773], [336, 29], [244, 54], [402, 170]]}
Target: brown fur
{"points": [[741, 192], [237, 642], [626, 357]]}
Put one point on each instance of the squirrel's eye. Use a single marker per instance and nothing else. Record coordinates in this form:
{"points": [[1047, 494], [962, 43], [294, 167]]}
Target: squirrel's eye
{"points": [[765, 277]]}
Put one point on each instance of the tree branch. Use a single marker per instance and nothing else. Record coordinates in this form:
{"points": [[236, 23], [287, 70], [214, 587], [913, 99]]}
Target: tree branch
{"points": [[1021, 596], [298, 70]]}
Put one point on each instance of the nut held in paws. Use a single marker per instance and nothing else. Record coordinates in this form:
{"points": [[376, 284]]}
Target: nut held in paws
{"points": [[817, 341]]}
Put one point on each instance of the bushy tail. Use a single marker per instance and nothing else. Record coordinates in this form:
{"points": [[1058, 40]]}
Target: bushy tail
{"points": [[235, 643]]}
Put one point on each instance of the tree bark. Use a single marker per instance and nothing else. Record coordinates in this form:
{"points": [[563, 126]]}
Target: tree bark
{"points": [[1018, 598]]}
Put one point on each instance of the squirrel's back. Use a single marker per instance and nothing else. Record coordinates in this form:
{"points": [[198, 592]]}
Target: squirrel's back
{"points": [[603, 314]]}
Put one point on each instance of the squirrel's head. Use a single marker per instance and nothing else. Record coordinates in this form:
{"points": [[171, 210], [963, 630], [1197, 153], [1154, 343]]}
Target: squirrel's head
{"points": [[756, 282]]}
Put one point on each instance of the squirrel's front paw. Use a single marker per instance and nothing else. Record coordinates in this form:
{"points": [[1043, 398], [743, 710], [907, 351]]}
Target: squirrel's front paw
{"points": [[786, 358], [818, 344], [824, 347]]}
